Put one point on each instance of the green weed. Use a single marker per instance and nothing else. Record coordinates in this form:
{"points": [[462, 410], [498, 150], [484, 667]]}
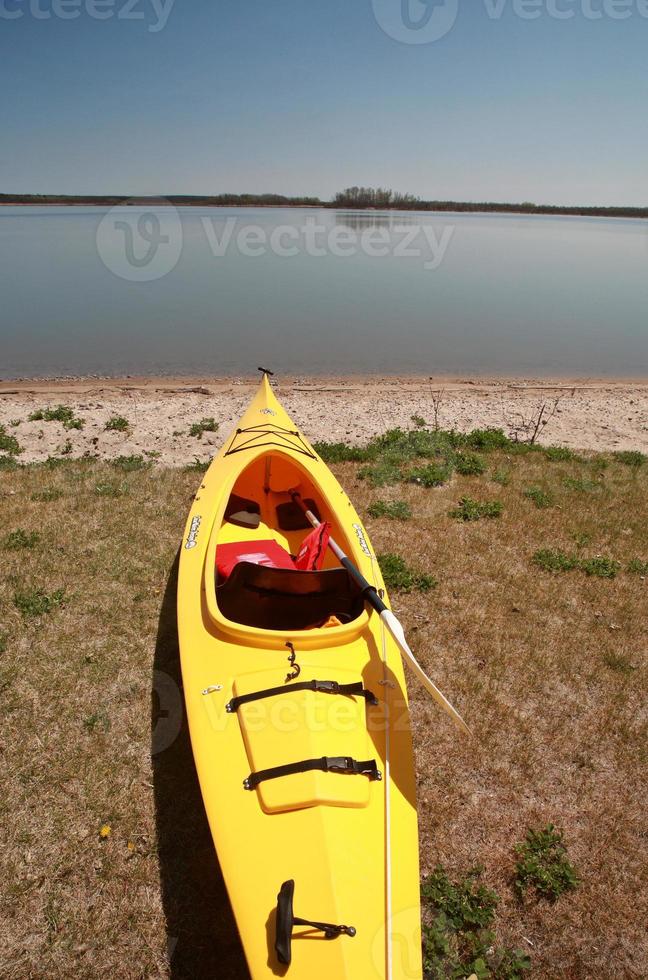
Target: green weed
{"points": [[638, 567], [398, 575], [487, 440], [432, 475], [9, 444], [381, 474], [618, 663], [20, 539], [418, 421], [4, 639], [541, 498], [469, 464], [205, 425], [554, 560], [631, 458], [62, 413], [117, 423], [111, 489], [339, 452], [99, 720], [36, 602], [49, 493], [580, 485], [131, 463], [460, 941], [600, 565], [396, 510], [543, 865], [198, 466], [474, 510], [503, 477], [560, 454]]}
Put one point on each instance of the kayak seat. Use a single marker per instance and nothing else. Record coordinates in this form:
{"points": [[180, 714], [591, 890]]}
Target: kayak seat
{"points": [[243, 512], [287, 599]]}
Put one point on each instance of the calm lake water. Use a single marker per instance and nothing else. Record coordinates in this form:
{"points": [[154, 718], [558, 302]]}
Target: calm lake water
{"points": [[221, 290]]}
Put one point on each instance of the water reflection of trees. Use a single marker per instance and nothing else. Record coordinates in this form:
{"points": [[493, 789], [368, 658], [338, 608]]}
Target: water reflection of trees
{"points": [[361, 220]]}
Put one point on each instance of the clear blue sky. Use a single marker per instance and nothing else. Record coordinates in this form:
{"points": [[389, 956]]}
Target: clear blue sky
{"points": [[308, 96]]}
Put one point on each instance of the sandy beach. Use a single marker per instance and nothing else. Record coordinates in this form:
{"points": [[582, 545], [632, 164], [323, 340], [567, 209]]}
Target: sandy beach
{"points": [[588, 414]]}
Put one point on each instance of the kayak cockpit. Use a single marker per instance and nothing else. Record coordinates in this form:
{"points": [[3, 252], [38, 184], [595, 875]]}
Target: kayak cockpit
{"points": [[257, 539], [288, 599]]}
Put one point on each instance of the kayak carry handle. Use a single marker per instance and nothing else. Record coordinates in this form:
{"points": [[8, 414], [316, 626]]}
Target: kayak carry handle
{"points": [[286, 921]]}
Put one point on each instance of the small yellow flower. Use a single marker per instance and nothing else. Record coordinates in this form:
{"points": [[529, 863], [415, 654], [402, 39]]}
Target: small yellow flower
{"points": [[105, 831], [130, 846]]}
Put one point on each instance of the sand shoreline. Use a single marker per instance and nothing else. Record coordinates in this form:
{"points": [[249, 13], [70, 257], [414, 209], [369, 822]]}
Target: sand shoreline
{"points": [[592, 413]]}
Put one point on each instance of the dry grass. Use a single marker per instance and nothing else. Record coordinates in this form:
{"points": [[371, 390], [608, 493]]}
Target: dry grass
{"points": [[549, 670]]}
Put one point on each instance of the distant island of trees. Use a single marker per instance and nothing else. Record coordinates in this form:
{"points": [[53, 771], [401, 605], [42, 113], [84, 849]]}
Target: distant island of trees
{"points": [[356, 198]]}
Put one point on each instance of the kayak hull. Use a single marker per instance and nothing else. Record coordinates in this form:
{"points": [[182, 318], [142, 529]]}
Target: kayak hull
{"points": [[348, 840]]}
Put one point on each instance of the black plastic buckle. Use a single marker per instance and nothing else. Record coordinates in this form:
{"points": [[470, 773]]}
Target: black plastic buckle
{"points": [[340, 763], [328, 687]]}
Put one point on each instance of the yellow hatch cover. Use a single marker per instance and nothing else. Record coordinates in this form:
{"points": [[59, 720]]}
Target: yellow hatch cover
{"points": [[299, 725]]}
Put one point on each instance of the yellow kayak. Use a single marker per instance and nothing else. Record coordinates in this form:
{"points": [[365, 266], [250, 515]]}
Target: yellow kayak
{"points": [[298, 714]]}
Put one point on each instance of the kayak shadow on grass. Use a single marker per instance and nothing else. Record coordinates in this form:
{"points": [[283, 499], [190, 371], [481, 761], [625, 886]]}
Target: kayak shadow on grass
{"points": [[202, 939]]}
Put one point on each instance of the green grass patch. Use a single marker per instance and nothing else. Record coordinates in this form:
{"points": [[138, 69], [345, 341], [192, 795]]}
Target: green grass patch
{"points": [[638, 567], [111, 489], [618, 663], [488, 440], [62, 413], [97, 721], [129, 464], [541, 498], [501, 476], [18, 539], [37, 602], [600, 566], [469, 464], [418, 421], [475, 510], [555, 560], [198, 466], [382, 474], [581, 485], [396, 510], [460, 941], [117, 423], [432, 475], [339, 452], [9, 444], [205, 425], [631, 458], [398, 575], [560, 454], [49, 493], [543, 865]]}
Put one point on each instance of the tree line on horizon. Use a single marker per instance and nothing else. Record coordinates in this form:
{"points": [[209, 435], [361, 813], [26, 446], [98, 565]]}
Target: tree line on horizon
{"points": [[355, 197]]}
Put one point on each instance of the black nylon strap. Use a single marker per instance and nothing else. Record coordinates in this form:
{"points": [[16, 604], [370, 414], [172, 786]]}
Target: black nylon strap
{"points": [[327, 687], [336, 763]]}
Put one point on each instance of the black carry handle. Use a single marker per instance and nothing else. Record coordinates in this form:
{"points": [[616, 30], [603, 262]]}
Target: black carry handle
{"points": [[286, 921]]}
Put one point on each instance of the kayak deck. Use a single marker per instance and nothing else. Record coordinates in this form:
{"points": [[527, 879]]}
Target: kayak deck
{"points": [[314, 785]]}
